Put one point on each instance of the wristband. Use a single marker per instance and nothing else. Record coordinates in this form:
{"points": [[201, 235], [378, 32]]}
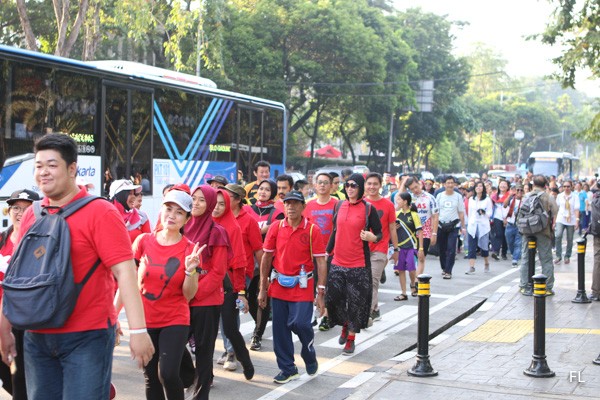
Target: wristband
{"points": [[395, 250], [138, 331], [434, 233], [190, 273], [421, 249], [321, 287], [242, 292]]}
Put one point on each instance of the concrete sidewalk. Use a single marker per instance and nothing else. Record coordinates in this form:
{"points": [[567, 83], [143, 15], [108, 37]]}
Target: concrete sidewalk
{"points": [[483, 357]]}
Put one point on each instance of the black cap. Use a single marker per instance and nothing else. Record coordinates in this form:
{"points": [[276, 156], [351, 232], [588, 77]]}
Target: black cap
{"points": [[24, 195], [219, 179], [294, 195]]}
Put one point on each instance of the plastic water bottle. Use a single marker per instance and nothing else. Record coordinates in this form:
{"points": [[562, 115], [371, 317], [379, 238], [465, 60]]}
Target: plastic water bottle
{"points": [[239, 304], [303, 279]]}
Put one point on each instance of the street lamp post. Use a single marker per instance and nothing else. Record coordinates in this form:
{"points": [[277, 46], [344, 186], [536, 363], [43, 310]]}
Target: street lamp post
{"points": [[519, 136]]}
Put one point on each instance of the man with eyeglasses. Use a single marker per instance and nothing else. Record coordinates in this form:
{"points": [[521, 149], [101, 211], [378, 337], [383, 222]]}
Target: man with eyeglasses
{"points": [[512, 234], [567, 219], [319, 210]]}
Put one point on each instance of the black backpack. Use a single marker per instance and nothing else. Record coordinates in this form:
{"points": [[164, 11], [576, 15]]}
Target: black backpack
{"points": [[595, 215], [532, 217], [39, 288]]}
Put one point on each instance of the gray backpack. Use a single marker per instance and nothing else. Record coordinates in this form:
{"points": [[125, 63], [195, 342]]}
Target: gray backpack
{"points": [[532, 217], [39, 288]]}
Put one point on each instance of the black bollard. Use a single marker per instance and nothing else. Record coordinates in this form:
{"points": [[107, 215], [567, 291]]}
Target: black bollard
{"points": [[531, 248], [581, 295], [423, 366], [539, 367]]}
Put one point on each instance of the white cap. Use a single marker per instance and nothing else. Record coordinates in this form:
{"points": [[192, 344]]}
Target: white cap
{"points": [[120, 185], [182, 199], [83, 182]]}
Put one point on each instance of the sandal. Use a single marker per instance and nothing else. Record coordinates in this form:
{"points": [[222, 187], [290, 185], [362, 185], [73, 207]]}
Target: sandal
{"points": [[402, 297], [413, 290]]}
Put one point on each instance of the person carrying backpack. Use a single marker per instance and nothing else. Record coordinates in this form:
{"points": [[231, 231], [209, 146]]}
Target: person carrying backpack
{"points": [[541, 230], [97, 237], [594, 229]]}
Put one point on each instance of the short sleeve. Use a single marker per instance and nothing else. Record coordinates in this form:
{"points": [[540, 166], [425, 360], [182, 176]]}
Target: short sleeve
{"points": [[318, 247], [271, 238]]}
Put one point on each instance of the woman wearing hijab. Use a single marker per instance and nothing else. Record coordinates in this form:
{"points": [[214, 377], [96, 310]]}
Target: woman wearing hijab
{"points": [[264, 213], [205, 307], [123, 195], [349, 283], [234, 285]]}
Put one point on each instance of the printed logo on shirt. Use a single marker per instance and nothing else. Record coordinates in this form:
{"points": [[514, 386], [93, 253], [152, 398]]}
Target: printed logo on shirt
{"points": [[168, 270]]}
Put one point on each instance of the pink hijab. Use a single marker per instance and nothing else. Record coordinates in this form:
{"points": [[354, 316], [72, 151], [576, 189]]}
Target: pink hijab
{"points": [[203, 229]]}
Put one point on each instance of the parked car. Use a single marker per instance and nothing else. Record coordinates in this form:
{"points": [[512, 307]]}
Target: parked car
{"points": [[297, 175]]}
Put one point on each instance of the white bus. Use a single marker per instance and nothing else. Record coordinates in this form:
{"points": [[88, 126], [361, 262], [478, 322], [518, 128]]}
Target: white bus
{"points": [[132, 120], [553, 163]]}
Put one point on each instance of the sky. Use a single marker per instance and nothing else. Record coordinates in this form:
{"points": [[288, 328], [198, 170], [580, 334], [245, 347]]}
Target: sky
{"points": [[503, 26]]}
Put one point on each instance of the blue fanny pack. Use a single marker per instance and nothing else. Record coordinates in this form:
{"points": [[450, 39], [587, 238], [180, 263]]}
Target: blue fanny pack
{"points": [[287, 281]]}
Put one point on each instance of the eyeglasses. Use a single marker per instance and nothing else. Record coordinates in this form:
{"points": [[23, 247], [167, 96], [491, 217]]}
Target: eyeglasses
{"points": [[322, 182], [351, 185], [519, 190], [567, 186], [17, 209]]}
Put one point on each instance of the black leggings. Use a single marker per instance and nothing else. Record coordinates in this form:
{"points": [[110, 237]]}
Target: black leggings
{"points": [[229, 313], [205, 326], [15, 384], [260, 315], [162, 371]]}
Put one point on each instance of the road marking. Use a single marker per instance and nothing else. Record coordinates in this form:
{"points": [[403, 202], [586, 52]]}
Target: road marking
{"points": [[434, 295], [486, 306], [358, 380], [371, 338]]}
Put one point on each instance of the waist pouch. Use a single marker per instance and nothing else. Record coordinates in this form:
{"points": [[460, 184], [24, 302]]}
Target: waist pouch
{"points": [[288, 281]]}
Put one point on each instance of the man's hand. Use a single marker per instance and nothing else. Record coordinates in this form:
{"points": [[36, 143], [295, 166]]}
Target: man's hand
{"points": [[433, 240], [262, 298], [141, 348], [320, 302], [9, 351], [395, 257]]}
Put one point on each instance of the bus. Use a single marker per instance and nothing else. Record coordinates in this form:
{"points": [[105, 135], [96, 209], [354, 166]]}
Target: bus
{"points": [[132, 121], [553, 163]]}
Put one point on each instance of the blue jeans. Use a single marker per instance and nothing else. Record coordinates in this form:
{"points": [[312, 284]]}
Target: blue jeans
{"points": [[499, 244], [514, 239], [69, 366], [560, 229], [291, 317]]}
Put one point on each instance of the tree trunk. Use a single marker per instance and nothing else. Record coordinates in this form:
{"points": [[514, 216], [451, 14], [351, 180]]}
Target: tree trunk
{"points": [[26, 25], [75, 29]]}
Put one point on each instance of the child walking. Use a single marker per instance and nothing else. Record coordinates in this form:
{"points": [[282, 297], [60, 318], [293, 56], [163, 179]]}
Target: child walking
{"points": [[408, 227]]}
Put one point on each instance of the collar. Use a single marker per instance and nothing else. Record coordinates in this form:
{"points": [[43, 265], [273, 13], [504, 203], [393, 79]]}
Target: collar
{"points": [[304, 219]]}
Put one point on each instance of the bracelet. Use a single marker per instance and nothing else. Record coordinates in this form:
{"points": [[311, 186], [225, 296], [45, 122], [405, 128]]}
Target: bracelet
{"points": [[321, 287], [138, 331], [190, 273], [434, 233], [242, 292], [421, 249]]}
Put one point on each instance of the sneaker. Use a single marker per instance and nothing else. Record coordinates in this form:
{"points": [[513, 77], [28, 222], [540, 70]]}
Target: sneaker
{"points": [[486, 268], [594, 297], [504, 258], [324, 325], [549, 292], [312, 369], [249, 372], [370, 322], [231, 363], [314, 321], [471, 271], [376, 315], [349, 347], [495, 256], [567, 260], [343, 335], [447, 276], [255, 344], [558, 261], [192, 344], [515, 264], [222, 359], [383, 277], [282, 377]]}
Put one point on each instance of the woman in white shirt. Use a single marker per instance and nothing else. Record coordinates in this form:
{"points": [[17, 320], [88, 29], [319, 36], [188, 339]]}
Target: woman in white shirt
{"points": [[479, 213]]}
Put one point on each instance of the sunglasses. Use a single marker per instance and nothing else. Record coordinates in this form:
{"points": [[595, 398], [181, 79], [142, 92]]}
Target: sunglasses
{"points": [[351, 185], [567, 186]]}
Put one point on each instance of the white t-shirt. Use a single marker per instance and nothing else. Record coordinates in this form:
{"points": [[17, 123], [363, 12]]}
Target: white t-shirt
{"points": [[566, 216]]}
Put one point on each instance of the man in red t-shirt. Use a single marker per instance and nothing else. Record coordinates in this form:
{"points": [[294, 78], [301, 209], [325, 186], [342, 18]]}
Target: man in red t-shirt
{"points": [[65, 369], [319, 210], [291, 245], [379, 251]]}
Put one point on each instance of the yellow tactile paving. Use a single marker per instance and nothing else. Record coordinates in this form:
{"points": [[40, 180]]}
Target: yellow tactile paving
{"points": [[511, 331]]}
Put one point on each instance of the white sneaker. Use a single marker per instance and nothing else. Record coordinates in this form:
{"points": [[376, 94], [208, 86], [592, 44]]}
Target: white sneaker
{"points": [[471, 271], [222, 359], [231, 363]]}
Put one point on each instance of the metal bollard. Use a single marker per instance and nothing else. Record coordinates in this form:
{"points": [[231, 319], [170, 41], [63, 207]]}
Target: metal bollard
{"points": [[539, 367], [423, 366], [531, 248], [581, 295]]}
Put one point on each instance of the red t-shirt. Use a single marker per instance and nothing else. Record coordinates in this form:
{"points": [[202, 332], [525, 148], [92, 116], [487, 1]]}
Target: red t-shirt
{"points": [[210, 285], [143, 228], [292, 249], [348, 251], [387, 216], [97, 232], [6, 250], [322, 216], [160, 278], [251, 237], [262, 217]]}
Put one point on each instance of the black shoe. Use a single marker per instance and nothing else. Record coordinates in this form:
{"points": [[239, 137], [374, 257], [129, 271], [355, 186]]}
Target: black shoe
{"points": [[504, 258], [495, 256], [256, 343], [324, 326], [343, 335], [383, 277], [249, 372]]}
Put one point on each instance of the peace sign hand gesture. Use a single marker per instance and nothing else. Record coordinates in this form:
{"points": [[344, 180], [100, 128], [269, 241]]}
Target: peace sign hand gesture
{"points": [[192, 261]]}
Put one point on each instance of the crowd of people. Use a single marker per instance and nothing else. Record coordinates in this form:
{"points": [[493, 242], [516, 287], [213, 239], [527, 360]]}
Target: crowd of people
{"points": [[274, 248]]}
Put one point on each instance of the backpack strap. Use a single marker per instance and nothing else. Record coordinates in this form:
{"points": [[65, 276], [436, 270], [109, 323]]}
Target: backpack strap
{"points": [[76, 205], [270, 217], [89, 274]]}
